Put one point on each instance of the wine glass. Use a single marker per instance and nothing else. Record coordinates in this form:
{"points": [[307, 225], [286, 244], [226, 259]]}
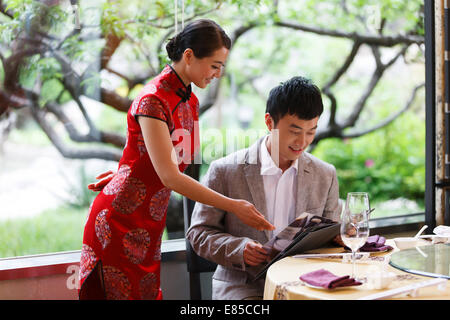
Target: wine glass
{"points": [[355, 223]]}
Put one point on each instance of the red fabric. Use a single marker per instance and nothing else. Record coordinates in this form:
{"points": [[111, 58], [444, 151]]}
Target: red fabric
{"points": [[127, 219]]}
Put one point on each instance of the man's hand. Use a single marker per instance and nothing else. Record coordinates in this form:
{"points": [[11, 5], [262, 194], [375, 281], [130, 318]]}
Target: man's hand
{"points": [[106, 178], [351, 231], [338, 240], [254, 253]]}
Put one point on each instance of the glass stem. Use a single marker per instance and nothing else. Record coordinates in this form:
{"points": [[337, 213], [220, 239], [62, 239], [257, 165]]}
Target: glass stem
{"points": [[353, 264]]}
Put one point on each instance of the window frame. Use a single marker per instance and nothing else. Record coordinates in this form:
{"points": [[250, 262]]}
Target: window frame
{"points": [[430, 117]]}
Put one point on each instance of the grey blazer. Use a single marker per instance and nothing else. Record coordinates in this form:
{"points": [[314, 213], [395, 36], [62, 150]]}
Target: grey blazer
{"points": [[220, 236]]}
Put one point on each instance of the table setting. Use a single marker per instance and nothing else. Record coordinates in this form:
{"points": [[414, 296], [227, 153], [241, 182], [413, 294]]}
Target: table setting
{"points": [[365, 267]]}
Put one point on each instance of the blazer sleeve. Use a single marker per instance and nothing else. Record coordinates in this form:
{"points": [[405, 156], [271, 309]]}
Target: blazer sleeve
{"points": [[207, 233], [333, 205]]}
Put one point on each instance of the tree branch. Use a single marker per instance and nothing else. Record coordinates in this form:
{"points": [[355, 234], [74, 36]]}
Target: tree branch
{"points": [[170, 16], [241, 30], [112, 43], [326, 89], [146, 54], [72, 153], [348, 61], [114, 100], [72, 83], [376, 76], [389, 119], [105, 137], [12, 66], [384, 41], [3, 10]]}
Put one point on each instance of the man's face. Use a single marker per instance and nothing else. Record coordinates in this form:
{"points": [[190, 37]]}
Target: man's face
{"points": [[295, 135]]}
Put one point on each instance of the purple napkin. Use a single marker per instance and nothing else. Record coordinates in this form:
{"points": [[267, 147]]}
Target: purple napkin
{"points": [[375, 243], [325, 279]]}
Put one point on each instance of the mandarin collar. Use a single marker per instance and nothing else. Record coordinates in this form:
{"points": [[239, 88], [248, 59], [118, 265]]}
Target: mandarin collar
{"points": [[183, 91]]}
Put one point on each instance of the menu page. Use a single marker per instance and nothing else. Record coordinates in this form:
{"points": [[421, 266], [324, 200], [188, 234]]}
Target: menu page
{"points": [[304, 232]]}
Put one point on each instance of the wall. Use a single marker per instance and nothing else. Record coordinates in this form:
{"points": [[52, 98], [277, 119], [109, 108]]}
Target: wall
{"points": [[54, 276]]}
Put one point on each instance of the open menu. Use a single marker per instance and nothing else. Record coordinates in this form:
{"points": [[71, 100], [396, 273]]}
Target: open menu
{"points": [[306, 232]]}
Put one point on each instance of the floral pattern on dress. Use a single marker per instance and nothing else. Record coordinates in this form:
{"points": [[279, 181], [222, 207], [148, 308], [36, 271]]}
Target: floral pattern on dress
{"points": [[134, 106], [185, 116], [151, 88], [157, 256], [87, 262], [165, 85], [152, 107], [130, 196], [197, 108], [159, 204], [102, 229], [116, 182], [117, 286], [135, 245], [149, 286], [141, 145]]}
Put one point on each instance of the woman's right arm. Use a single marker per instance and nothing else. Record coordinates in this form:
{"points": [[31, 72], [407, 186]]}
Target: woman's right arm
{"points": [[162, 154]]}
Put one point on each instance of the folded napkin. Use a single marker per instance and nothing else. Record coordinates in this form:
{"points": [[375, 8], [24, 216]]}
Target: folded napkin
{"points": [[325, 279], [443, 231], [375, 243]]}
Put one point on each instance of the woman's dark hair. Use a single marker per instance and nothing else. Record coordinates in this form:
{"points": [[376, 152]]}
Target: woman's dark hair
{"points": [[298, 96], [202, 36]]}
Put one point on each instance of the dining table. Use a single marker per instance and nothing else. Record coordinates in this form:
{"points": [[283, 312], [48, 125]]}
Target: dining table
{"points": [[421, 272]]}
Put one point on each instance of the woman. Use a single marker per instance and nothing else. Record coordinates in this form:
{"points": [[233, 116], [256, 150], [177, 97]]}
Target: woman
{"points": [[121, 254]]}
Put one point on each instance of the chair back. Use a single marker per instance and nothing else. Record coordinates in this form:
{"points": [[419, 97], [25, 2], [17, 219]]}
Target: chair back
{"points": [[195, 263]]}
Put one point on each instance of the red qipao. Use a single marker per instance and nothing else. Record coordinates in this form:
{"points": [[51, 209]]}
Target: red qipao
{"points": [[122, 235]]}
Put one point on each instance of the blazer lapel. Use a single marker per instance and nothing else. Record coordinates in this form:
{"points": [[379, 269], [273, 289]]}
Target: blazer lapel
{"points": [[252, 171], [302, 192]]}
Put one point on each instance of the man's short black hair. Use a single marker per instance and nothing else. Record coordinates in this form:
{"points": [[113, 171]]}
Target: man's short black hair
{"points": [[298, 96]]}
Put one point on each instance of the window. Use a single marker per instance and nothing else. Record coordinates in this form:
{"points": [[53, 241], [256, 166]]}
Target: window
{"points": [[437, 135], [67, 78]]}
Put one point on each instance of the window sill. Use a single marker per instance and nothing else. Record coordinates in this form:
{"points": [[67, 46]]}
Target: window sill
{"points": [[394, 224], [58, 263]]}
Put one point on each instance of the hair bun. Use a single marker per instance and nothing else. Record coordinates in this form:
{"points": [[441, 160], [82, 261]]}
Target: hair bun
{"points": [[202, 36], [172, 48]]}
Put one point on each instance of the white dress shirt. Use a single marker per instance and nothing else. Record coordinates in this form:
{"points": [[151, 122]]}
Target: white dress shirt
{"points": [[280, 190]]}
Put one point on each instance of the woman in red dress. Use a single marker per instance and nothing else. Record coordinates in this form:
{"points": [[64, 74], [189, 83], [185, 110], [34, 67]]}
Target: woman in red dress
{"points": [[121, 252]]}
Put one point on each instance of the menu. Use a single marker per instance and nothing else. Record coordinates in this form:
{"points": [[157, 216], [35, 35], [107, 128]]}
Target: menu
{"points": [[306, 232]]}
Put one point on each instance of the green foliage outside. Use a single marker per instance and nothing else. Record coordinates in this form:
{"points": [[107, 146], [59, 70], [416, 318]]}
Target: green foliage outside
{"points": [[388, 164], [55, 230]]}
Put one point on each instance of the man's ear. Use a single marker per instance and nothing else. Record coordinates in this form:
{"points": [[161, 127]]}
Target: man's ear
{"points": [[269, 122]]}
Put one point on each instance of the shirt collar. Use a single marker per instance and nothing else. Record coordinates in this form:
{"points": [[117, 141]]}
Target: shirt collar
{"points": [[268, 166]]}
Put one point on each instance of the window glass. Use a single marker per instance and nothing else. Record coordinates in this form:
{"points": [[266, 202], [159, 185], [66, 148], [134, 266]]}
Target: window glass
{"points": [[68, 76]]}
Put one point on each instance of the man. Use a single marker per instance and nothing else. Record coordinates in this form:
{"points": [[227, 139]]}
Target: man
{"points": [[278, 176]]}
